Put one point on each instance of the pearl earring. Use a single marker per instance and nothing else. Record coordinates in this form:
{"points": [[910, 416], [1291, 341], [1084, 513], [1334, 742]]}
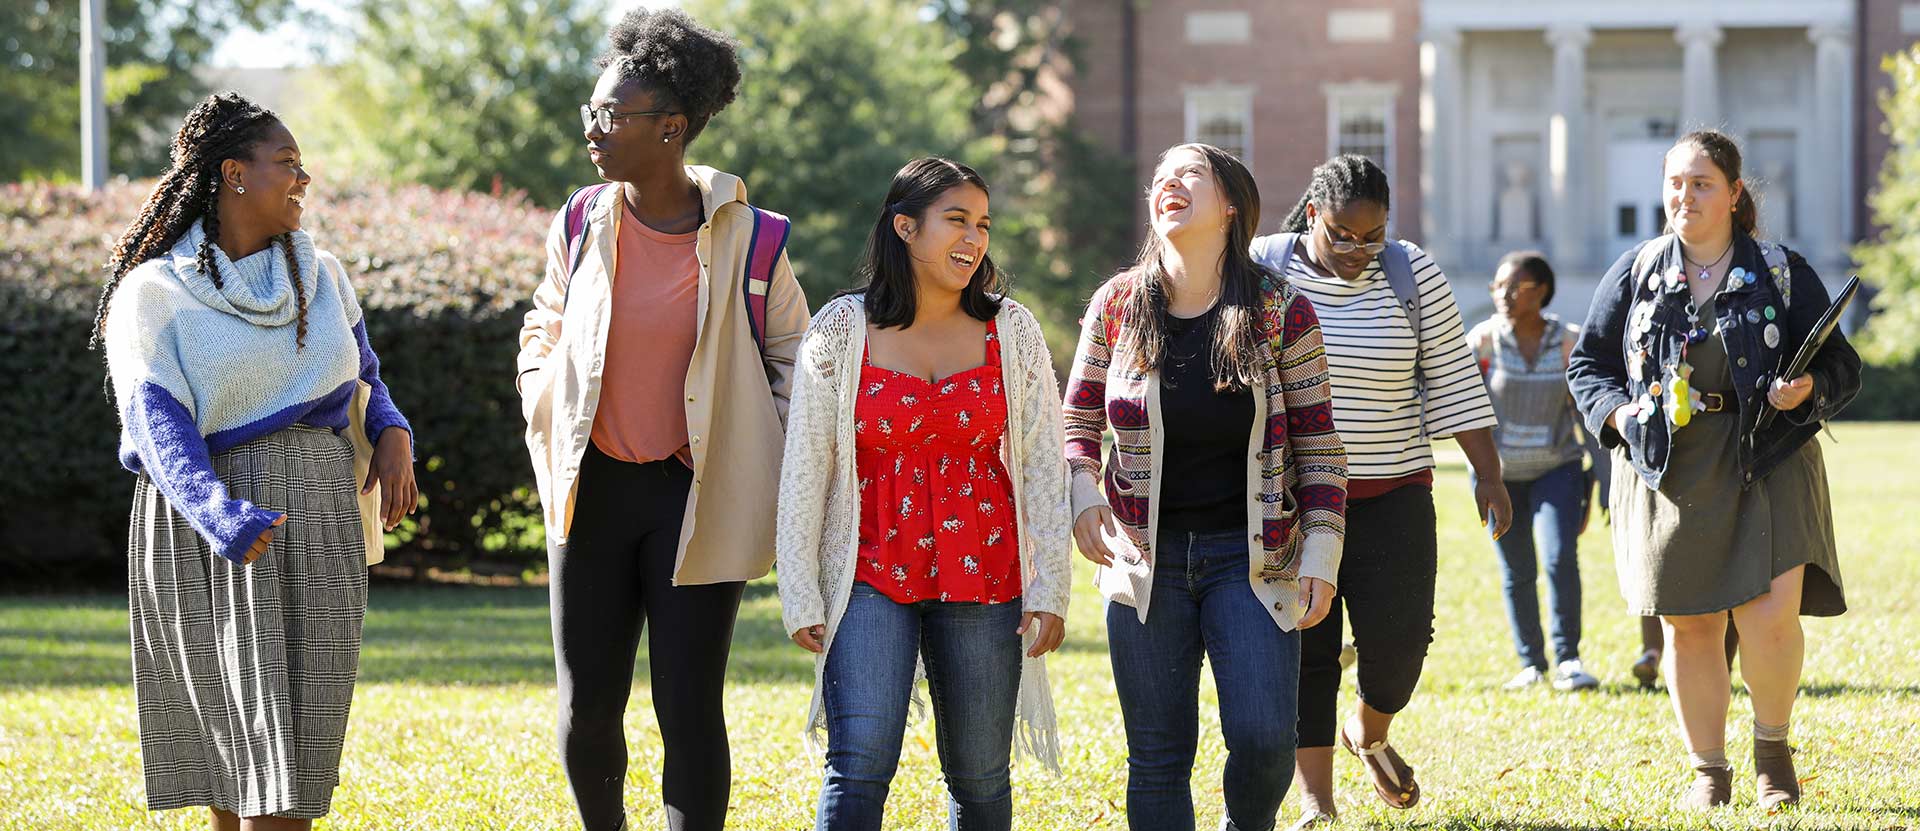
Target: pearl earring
{"points": [[665, 139]]}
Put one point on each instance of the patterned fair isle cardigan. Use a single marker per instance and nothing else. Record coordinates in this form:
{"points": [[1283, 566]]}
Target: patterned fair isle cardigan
{"points": [[1296, 464]]}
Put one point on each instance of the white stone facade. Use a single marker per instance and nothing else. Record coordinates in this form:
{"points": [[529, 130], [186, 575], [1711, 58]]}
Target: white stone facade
{"points": [[1543, 124]]}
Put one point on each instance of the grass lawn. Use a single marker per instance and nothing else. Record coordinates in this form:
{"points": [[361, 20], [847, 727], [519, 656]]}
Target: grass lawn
{"points": [[453, 721]]}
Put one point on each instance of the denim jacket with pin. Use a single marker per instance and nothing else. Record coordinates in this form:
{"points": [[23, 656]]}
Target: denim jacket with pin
{"points": [[1637, 330]]}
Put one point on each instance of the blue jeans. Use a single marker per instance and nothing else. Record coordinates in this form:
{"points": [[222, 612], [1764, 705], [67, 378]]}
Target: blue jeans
{"points": [[972, 656], [1201, 606], [1546, 519]]}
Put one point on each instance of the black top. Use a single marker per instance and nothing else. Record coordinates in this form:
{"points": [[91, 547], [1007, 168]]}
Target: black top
{"points": [[1206, 434]]}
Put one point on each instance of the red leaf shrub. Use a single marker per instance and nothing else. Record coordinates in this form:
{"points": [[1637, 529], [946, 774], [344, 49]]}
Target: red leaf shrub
{"points": [[444, 278]]}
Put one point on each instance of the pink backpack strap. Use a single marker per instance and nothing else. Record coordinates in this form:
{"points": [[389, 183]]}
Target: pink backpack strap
{"points": [[578, 204], [768, 243]]}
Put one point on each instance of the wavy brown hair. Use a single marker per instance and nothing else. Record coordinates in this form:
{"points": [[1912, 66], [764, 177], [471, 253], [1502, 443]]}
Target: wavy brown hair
{"points": [[1234, 356]]}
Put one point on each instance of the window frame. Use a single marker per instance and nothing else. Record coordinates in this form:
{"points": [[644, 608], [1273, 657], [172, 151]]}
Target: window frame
{"points": [[1224, 96]]}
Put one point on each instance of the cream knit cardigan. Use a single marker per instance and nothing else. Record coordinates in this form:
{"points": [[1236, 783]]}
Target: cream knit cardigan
{"points": [[819, 508]]}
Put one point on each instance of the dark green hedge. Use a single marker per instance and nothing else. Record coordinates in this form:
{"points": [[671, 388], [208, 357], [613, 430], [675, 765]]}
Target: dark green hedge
{"points": [[444, 278], [1887, 393]]}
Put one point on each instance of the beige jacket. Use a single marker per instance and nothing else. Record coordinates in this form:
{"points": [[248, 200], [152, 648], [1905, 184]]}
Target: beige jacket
{"points": [[736, 400]]}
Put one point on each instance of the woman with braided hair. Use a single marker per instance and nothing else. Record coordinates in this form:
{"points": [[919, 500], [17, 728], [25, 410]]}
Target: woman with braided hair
{"points": [[235, 349], [1402, 374]]}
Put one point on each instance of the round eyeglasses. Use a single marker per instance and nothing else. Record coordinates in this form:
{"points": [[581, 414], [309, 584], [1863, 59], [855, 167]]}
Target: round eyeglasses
{"points": [[603, 117]]}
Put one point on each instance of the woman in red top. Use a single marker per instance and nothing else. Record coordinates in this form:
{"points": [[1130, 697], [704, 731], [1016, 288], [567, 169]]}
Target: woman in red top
{"points": [[936, 509], [923, 510]]}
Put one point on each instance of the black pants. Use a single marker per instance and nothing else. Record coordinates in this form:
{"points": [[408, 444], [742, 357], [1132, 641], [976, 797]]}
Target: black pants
{"points": [[614, 575], [1386, 588]]}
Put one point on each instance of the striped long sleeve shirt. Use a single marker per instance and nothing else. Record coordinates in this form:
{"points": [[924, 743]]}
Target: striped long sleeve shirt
{"points": [[1370, 350]]}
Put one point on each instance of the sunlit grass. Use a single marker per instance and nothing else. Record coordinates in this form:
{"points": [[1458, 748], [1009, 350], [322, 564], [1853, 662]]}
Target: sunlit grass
{"points": [[453, 720]]}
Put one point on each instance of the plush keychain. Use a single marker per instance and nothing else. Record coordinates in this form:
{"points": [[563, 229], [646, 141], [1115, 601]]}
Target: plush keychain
{"points": [[1679, 399]]}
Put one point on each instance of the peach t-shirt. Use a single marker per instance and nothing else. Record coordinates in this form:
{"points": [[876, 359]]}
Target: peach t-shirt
{"points": [[656, 298]]}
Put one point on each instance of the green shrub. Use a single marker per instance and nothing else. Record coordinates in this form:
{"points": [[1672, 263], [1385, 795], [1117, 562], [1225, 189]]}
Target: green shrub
{"points": [[1888, 392], [443, 277]]}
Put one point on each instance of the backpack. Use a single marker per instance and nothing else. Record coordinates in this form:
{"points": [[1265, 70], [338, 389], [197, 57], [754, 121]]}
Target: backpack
{"points": [[764, 248], [1275, 251]]}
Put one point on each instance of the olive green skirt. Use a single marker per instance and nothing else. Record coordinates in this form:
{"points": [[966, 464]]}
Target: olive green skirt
{"points": [[1700, 544]]}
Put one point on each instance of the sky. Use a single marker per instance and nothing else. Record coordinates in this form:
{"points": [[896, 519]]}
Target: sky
{"points": [[251, 48]]}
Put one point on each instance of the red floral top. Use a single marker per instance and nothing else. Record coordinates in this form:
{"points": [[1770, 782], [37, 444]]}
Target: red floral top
{"points": [[936, 504]]}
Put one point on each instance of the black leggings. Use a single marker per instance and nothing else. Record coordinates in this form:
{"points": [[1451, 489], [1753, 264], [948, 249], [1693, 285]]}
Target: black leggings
{"points": [[614, 575], [1386, 586]]}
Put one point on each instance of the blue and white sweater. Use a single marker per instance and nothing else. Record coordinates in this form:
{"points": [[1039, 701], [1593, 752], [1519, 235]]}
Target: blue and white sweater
{"points": [[199, 370]]}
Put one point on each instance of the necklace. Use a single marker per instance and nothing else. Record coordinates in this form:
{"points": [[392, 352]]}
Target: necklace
{"points": [[1706, 271]]}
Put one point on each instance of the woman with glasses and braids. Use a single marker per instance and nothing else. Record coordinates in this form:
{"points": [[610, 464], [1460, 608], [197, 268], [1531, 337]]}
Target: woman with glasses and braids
{"points": [[654, 372], [1402, 375], [235, 348]]}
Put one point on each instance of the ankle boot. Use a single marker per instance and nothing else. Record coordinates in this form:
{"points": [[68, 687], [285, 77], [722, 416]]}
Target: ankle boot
{"points": [[1712, 787], [1776, 785]]}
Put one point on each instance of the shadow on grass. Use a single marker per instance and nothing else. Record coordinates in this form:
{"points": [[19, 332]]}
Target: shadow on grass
{"points": [[442, 635], [1830, 690]]}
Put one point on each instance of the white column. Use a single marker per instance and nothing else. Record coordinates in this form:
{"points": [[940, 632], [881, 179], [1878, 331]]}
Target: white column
{"points": [[93, 97], [1830, 204], [1700, 75], [1442, 189], [1566, 144]]}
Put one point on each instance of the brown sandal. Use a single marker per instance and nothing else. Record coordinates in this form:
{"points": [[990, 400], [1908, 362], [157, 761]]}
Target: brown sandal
{"points": [[1392, 776], [1776, 785]]}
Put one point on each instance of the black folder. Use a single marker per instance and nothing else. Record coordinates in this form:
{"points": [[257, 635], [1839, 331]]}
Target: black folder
{"points": [[1815, 339]]}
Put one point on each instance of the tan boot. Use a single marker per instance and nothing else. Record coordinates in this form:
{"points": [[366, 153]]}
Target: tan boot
{"points": [[1776, 784], [1711, 788]]}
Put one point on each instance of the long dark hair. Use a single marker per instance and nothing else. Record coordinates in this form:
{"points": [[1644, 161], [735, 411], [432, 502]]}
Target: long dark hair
{"points": [[1336, 183], [1234, 357], [1724, 152], [886, 270], [221, 127]]}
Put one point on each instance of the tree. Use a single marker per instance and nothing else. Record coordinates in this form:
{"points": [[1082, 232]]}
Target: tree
{"points": [[1892, 262], [152, 48], [458, 94], [1070, 198], [834, 98]]}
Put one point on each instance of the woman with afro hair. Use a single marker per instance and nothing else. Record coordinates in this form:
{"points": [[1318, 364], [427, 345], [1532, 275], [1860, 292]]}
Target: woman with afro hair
{"points": [[654, 372]]}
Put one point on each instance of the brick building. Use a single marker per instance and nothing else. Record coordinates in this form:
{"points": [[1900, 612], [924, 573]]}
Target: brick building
{"points": [[1507, 125], [1282, 83]]}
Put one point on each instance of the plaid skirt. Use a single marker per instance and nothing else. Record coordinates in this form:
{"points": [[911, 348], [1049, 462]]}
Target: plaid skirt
{"points": [[243, 674]]}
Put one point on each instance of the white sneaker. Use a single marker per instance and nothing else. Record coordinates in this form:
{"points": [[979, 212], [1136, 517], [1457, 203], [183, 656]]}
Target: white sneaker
{"points": [[1527, 678], [1571, 676]]}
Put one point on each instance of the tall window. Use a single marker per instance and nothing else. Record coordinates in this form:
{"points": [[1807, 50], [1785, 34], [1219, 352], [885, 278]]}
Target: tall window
{"points": [[1222, 117], [1360, 120]]}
